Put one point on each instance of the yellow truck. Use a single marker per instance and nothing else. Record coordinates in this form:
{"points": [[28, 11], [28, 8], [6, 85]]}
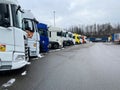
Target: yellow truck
{"points": [[76, 37]]}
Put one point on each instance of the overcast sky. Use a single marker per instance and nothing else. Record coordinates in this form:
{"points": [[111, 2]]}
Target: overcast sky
{"points": [[74, 12]]}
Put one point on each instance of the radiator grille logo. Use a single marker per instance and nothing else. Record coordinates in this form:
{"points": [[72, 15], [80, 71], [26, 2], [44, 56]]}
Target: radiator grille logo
{"points": [[2, 48]]}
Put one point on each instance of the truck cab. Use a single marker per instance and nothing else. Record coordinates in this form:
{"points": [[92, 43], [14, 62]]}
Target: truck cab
{"points": [[65, 39], [84, 38], [116, 38], [55, 37], [30, 27], [70, 38], [44, 40], [81, 39], [13, 46], [76, 38]]}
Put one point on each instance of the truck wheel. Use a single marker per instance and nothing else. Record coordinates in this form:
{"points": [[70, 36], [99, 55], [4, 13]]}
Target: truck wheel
{"points": [[56, 46], [68, 43]]}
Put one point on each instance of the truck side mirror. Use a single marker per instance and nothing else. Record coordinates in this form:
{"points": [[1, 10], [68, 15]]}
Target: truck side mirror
{"points": [[19, 9]]}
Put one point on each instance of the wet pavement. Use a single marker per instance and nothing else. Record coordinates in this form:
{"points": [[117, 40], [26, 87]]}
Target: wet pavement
{"points": [[93, 66]]}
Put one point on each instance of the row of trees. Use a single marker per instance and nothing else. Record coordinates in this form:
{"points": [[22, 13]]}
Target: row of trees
{"points": [[96, 30]]}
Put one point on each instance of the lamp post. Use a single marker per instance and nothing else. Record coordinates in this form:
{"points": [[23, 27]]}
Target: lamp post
{"points": [[54, 17]]}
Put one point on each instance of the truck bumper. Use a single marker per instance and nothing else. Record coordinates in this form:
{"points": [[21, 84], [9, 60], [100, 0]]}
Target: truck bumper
{"points": [[10, 61]]}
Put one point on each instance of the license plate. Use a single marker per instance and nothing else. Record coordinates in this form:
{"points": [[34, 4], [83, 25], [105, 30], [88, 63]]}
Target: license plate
{"points": [[2, 48]]}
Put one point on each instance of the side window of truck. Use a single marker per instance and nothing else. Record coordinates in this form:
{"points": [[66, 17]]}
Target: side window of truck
{"points": [[28, 25], [16, 17], [4, 15], [59, 34]]}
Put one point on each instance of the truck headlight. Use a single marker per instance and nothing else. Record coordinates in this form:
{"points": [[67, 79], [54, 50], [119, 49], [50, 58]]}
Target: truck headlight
{"points": [[35, 45], [20, 57]]}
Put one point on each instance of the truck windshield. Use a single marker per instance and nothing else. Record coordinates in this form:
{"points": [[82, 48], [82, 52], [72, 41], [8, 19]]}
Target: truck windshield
{"points": [[78, 37], [70, 35], [43, 32], [4, 15], [59, 34], [64, 34]]}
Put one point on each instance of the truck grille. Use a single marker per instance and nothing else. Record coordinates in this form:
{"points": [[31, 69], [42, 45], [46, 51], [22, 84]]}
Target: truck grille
{"points": [[5, 65]]}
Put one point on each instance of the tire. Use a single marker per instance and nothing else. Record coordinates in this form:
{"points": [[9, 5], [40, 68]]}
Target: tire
{"points": [[55, 46], [68, 44]]}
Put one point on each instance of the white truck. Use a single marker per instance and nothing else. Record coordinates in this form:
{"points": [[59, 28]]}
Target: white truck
{"points": [[65, 39], [30, 27], [13, 46], [55, 37], [70, 38], [81, 39]]}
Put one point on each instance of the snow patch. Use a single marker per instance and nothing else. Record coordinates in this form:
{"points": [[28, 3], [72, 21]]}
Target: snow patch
{"points": [[57, 49], [24, 73], [28, 63], [40, 56], [50, 51], [63, 48], [35, 58], [9, 83]]}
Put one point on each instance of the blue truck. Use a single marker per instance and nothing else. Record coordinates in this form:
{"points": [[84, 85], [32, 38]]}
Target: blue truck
{"points": [[116, 38], [44, 39], [103, 39]]}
